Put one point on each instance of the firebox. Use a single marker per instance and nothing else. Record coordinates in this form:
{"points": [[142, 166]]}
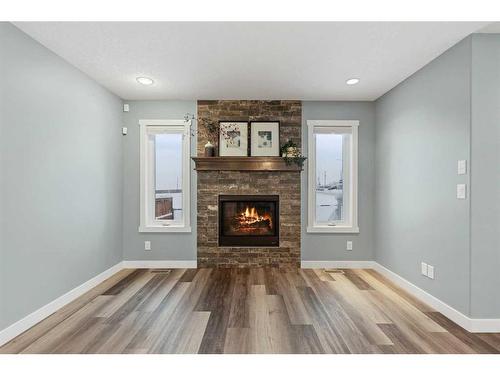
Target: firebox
{"points": [[249, 220]]}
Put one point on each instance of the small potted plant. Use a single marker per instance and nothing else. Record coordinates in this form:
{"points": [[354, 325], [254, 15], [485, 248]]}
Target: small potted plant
{"points": [[291, 153]]}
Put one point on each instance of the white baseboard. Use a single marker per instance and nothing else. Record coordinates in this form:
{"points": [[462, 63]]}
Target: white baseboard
{"points": [[336, 264], [484, 325], [470, 324], [160, 264], [37, 316]]}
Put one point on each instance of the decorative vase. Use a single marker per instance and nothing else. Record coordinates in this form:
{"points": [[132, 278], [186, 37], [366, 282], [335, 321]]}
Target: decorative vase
{"points": [[209, 149]]}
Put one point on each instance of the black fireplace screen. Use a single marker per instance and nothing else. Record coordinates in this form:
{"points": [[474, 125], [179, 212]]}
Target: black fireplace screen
{"points": [[248, 220]]}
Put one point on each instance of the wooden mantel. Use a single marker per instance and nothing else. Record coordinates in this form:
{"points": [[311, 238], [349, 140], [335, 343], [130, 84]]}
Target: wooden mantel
{"points": [[244, 163]]}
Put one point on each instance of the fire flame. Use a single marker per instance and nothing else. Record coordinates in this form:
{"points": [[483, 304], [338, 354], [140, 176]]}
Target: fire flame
{"points": [[250, 216], [251, 213]]}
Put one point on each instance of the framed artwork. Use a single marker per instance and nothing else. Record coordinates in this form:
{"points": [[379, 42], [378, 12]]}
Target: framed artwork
{"points": [[265, 138], [233, 138]]}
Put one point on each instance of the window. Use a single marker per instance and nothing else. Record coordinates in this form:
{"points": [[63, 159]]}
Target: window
{"points": [[332, 176], [165, 172]]}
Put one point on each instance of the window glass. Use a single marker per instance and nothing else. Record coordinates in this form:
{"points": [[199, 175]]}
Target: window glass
{"points": [[329, 178], [168, 176]]}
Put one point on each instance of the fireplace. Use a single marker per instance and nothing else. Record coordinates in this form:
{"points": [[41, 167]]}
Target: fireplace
{"points": [[248, 220]]}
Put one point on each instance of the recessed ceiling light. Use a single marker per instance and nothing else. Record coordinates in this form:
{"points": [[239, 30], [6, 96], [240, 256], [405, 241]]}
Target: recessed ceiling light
{"points": [[145, 81], [352, 81]]}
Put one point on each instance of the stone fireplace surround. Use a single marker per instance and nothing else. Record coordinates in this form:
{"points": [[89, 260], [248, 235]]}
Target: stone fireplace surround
{"points": [[286, 184]]}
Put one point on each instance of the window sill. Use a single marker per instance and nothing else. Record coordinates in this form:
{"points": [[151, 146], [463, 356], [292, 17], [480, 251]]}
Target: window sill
{"points": [[332, 229], [164, 229]]}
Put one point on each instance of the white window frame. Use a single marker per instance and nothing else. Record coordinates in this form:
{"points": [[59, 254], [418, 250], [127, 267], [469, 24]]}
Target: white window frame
{"points": [[351, 225], [147, 188]]}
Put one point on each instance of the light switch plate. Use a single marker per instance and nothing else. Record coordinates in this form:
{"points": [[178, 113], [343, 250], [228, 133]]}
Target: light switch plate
{"points": [[461, 191], [430, 272], [423, 268], [147, 245], [349, 245], [126, 108], [124, 130], [462, 167]]}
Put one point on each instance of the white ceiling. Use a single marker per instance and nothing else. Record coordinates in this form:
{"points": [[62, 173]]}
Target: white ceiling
{"points": [[245, 60]]}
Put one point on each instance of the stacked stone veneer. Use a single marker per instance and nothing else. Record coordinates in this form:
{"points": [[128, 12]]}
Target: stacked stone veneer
{"points": [[285, 184]]}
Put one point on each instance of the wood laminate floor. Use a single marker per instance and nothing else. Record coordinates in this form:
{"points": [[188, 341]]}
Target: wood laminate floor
{"points": [[260, 310]]}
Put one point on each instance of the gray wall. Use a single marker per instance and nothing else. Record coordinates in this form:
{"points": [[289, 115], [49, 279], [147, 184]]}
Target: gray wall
{"points": [[332, 246], [165, 246], [485, 176], [423, 128], [61, 176]]}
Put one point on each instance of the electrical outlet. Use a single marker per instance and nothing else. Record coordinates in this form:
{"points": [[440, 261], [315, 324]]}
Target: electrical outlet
{"points": [[430, 272], [424, 268], [349, 245], [461, 191], [147, 245]]}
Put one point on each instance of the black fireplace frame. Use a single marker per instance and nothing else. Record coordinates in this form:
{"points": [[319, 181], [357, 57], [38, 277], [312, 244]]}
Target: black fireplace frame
{"points": [[269, 240]]}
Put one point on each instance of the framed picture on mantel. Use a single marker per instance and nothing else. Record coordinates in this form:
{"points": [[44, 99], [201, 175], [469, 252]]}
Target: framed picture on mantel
{"points": [[233, 138], [265, 138]]}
